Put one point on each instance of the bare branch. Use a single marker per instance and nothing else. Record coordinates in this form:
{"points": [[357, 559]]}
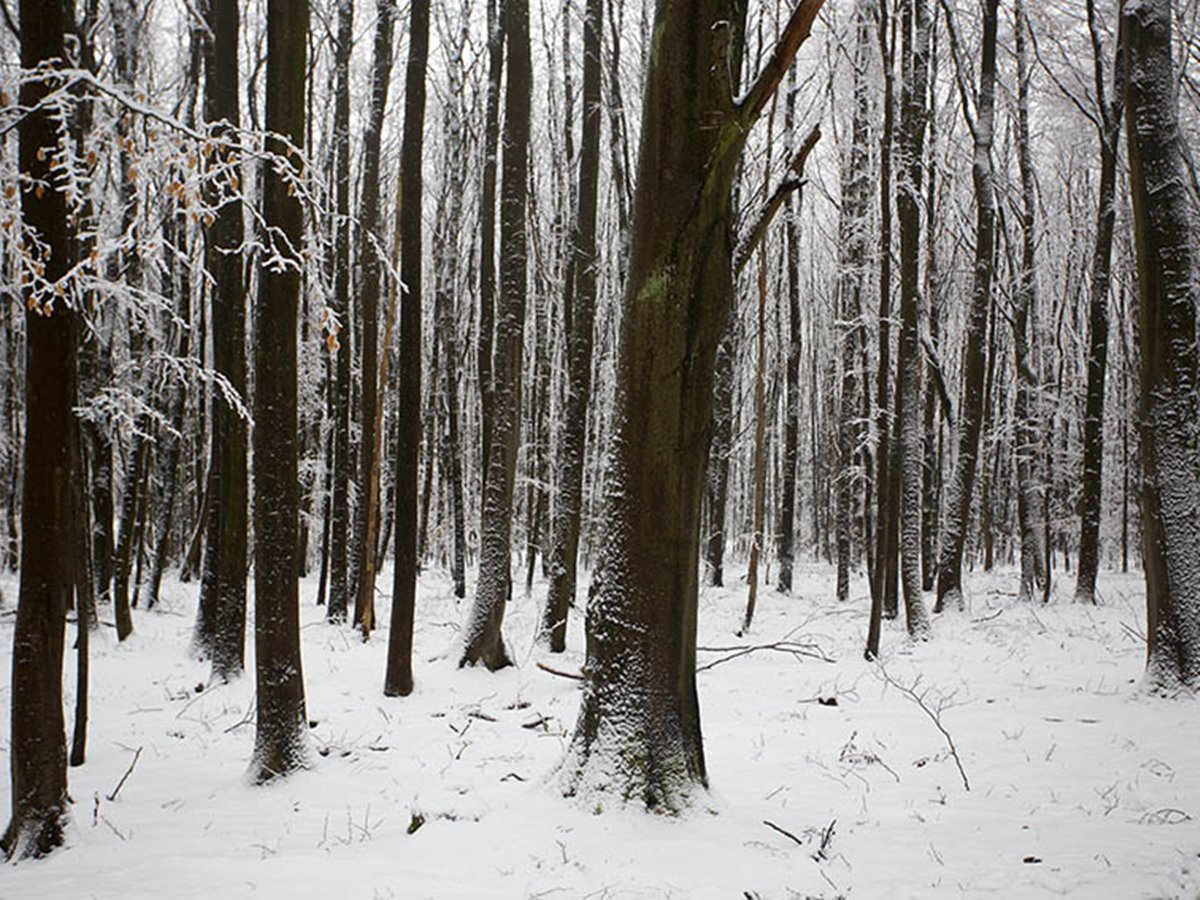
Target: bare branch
{"points": [[795, 33], [791, 182]]}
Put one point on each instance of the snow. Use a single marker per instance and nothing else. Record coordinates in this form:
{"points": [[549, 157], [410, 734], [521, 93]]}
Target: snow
{"points": [[1071, 766]]}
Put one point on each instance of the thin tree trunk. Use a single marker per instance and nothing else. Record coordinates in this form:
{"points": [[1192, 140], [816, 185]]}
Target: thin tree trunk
{"points": [[487, 233], [398, 680]]}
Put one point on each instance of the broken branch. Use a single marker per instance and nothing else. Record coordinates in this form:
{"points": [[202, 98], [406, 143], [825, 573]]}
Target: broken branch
{"points": [[795, 33], [793, 181]]}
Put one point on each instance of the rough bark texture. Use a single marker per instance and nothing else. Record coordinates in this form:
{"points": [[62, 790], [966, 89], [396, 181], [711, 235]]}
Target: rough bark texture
{"points": [[482, 640], [487, 233], [38, 745], [853, 231], [399, 678], [638, 735], [915, 25], [1111, 113], [970, 420], [580, 312], [221, 619], [1166, 258], [280, 744]]}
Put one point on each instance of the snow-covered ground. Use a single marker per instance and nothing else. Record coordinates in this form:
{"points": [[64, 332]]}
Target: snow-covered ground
{"points": [[1079, 785]]}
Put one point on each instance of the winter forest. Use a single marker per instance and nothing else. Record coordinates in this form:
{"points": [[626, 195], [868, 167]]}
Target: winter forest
{"points": [[600, 448]]}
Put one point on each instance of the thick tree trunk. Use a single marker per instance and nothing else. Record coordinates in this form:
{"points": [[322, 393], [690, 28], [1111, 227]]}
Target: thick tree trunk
{"points": [[37, 743], [638, 735], [580, 314], [970, 419], [1170, 371], [790, 456], [482, 639], [398, 680], [221, 622], [487, 233], [280, 740]]}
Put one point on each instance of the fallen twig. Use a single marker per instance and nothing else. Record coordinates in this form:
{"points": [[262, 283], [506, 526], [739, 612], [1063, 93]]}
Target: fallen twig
{"points": [[125, 777], [561, 674], [934, 716], [783, 831], [795, 649]]}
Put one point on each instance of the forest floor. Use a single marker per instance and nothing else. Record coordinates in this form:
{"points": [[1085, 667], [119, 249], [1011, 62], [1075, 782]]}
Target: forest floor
{"points": [[1080, 785]]}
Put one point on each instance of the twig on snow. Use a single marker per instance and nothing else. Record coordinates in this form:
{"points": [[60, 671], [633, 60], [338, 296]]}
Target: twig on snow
{"points": [[577, 676], [797, 650], [933, 714], [125, 777]]}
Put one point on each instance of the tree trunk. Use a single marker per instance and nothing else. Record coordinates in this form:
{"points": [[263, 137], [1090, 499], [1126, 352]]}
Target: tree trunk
{"points": [[1111, 113], [916, 23], [580, 313], [482, 640], [280, 740], [399, 679], [638, 735], [372, 252], [38, 752], [343, 457], [970, 419], [1170, 371], [221, 621], [717, 487]]}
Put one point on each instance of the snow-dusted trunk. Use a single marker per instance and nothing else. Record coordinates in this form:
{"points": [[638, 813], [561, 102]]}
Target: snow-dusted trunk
{"points": [[399, 678], [1029, 478], [717, 487], [37, 743], [915, 29], [482, 639], [970, 420], [1112, 113], [638, 735], [280, 739], [580, 312], [1169, 420], [853, 230]]}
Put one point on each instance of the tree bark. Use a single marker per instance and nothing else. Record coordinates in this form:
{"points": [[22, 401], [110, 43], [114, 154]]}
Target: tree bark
{"points": [[38, 752], [970, 419], [482, 640], [638, 735], [399, 679], [280, 740], [1170, 371], [580, 314], [221, 621]]}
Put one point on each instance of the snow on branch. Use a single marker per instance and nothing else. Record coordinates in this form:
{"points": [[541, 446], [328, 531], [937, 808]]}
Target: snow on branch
{"points": [[792, 181]]}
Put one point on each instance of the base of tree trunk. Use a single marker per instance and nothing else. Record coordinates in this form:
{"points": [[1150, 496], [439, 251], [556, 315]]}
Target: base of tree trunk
{"points": [[34, 836]]}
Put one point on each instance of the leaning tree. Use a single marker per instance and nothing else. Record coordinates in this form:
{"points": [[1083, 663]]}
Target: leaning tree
{"points": [[638, 736]]}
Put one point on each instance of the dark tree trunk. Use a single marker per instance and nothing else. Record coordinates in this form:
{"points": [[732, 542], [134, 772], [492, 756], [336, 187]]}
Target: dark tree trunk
{"points": [[1112, 112], [399, 678], [221, 621], [1170, 371], [343, 458], [638, 735], [38, 751], [580, 313], [483, 641], [970, 419], [916, 23], [280, 737]]}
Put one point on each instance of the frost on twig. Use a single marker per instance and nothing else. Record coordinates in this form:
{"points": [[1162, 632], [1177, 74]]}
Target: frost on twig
{"points": [[934, 713]]}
